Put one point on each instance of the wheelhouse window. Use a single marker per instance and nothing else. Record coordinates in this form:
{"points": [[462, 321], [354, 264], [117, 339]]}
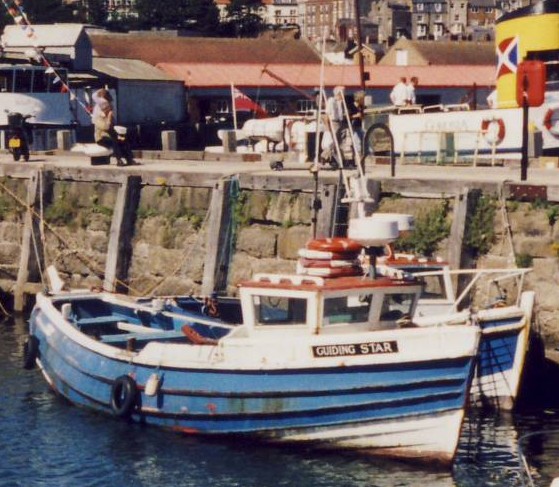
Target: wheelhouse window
{"points": [[347, 309], [396, 306], [275, 310]]}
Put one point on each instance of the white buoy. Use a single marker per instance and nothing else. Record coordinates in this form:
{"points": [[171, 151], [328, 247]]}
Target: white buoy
{"points": [[152, 385]]}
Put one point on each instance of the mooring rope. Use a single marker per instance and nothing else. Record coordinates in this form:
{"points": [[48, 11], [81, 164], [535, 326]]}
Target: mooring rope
{"points": [[62, 240]]}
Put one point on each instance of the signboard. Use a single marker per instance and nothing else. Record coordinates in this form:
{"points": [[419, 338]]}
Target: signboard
{"points": [[353, 349]]}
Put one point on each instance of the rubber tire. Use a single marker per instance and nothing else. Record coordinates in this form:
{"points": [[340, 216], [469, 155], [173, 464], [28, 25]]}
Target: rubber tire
{"points": [[124, 394], [17, 154], [30, 352], [370, 140]]}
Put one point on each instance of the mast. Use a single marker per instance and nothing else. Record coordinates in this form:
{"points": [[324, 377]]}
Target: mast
{"points": [[359, 45]]}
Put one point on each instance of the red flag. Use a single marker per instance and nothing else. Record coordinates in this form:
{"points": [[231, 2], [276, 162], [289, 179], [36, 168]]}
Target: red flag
{"points": [[244, 104]]}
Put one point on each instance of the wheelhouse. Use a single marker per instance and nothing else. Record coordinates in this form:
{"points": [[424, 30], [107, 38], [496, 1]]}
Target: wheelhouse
{"points": [[304, 304]]}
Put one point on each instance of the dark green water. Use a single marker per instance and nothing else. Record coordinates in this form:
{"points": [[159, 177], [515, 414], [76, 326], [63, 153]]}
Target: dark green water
{"points": [[44, 441]]}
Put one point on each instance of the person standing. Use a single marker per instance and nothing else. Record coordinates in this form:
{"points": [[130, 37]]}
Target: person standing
{"points": [[335, 117], [410, 97], [399, 94]]}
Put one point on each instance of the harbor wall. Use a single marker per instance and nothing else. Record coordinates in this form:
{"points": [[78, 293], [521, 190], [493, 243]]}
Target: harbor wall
{"points": [[168, 233]]}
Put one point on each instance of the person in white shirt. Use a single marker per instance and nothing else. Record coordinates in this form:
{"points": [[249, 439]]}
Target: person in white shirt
{"points": [[410, 97], [399, 94]]}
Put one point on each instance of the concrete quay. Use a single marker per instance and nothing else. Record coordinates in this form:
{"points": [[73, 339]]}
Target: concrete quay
{"points": [[409, 177]]}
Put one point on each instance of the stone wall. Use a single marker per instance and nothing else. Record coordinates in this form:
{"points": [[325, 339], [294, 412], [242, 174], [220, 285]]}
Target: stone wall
{"points": [[266, 229]]}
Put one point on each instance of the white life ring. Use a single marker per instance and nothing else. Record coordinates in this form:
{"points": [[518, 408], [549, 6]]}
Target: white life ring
{"points": [[551, 121], [493, 130]]}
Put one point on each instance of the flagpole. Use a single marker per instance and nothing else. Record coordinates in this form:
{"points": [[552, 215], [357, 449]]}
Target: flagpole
{"points": [[233, 105]]}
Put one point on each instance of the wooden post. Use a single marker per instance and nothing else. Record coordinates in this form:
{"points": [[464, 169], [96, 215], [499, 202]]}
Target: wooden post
{"points": [[325, 220], [217, 240], [456, 239], [32, 252], [119, 250], [169, 140]]}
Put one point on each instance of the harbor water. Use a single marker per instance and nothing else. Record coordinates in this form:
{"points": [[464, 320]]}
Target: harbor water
{"points": [[44, 441]]}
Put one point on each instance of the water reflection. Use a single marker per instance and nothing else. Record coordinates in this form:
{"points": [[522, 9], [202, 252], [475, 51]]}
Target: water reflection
{"points": [[45, 441]]}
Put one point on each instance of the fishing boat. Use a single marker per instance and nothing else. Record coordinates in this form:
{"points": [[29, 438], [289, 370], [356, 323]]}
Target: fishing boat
{"points": [[321, 358], [498, 303]]}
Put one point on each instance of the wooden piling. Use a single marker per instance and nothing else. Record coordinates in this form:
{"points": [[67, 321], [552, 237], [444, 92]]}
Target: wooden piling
{"points": [[219, 232], [32, 246], [119, 250], [457, 229]]}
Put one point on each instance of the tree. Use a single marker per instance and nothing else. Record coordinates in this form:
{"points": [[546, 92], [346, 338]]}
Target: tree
{"points": [[201, 15], [244, 19], [40, 12]]}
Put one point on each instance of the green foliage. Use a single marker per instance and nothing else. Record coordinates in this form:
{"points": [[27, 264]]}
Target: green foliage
{"points": [[64, 210], [524, 261], [552, 213], [480, 226], [144, 212], [513, 205], [241, 215], [431, 227], [243, 18], [201, 15], [8, 206]]}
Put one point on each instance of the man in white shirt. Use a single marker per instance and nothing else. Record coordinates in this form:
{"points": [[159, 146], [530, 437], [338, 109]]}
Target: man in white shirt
{"points": [[411, 90], [399, 94]]}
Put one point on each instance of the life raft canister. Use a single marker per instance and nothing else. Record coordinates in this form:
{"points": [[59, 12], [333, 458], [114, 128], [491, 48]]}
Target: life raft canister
{"points": [[551, 121], [493, 130]]}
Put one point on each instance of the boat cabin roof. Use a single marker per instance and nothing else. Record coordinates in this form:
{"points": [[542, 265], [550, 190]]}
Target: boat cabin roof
{"points": [[320, 284]]}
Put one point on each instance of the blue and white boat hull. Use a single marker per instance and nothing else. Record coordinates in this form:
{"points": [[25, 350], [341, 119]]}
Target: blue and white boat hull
{"points": [[398, 393]]}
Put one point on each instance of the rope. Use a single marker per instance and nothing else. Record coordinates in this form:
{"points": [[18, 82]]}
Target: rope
{"points": [[17, 13], [62, 240], [185, 256]]}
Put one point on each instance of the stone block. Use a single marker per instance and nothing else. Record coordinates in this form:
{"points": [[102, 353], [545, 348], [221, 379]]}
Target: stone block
{"points": [[290, 240], [257, 241]]}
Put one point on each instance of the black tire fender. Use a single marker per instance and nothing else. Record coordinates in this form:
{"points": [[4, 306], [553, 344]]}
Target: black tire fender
{"points": [[30, 352], [124, 394]]}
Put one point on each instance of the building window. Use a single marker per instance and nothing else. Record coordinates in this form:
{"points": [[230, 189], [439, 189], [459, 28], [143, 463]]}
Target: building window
{"points": [[474, 10], [420, 7]]}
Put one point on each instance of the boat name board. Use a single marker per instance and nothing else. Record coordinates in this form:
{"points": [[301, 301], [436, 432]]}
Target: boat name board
{"points": [[367, 348]]}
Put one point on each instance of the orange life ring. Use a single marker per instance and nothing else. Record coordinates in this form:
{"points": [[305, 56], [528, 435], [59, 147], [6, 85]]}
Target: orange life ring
{"points": [[336, 244], [551, 121], [493, 130]]}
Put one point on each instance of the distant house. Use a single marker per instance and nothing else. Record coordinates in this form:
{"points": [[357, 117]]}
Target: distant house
{"points": [[64, 44], [161, 49], [429, 19], [393, 18], [424, 53]]}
